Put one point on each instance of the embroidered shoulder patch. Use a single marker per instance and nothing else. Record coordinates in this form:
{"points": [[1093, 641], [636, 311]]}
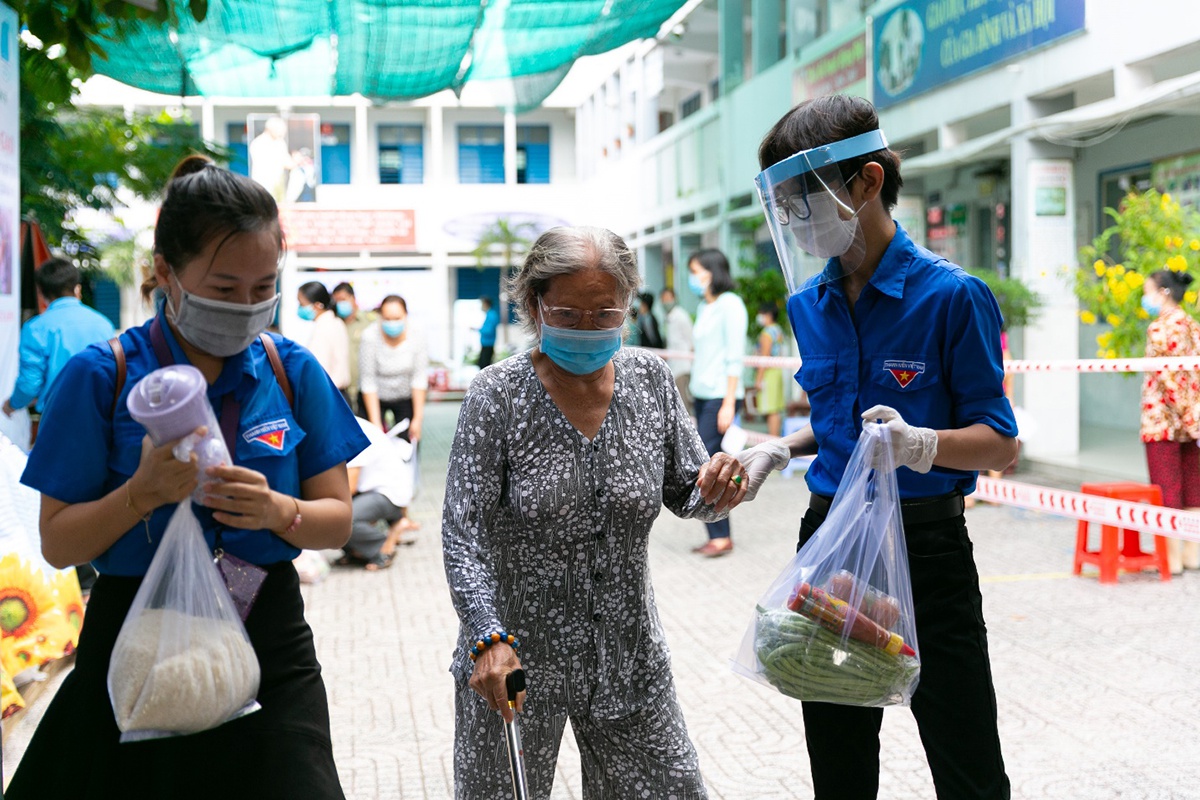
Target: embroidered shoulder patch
{"points": [[904, 371], [269, 433]]}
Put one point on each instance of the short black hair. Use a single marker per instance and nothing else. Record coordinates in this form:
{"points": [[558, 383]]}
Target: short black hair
{"points": [[316, 292], [343, 287], [647, 298], [56, 277], [769, 308], [1176, 283], [829, 119], [487, 301], [717, 264]]}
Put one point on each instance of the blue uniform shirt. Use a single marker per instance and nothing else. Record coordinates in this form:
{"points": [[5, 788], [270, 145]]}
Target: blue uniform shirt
{"points": [[923, 338], [85, 449], [49, 340], [487, 331]]}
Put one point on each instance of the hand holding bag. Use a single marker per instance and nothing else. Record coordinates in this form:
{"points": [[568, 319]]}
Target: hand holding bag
{"points": [[837, 625]]}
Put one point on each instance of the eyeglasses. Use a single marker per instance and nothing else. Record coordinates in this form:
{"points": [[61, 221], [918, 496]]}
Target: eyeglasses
{"points": [[565, 317], [788, 205]]}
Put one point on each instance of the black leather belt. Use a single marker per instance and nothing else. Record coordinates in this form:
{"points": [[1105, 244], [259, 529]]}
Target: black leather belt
{"points": [[916, 511]]}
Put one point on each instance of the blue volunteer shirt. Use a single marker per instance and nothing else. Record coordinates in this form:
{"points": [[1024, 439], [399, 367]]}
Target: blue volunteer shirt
{"points": [[86, 448], [48, 341], [487, 331], [923, 338]]}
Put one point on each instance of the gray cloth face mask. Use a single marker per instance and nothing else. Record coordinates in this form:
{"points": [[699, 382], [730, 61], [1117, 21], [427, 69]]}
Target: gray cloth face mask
{"points": [[219, 328]]}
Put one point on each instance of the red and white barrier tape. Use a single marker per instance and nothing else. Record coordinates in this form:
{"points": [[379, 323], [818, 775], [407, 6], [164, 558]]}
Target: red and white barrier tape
{"points": [[1093, 508], [1184, 364]]}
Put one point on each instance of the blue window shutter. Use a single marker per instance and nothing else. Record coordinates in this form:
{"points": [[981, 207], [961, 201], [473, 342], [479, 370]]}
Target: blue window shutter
{"points": [[106, 296], [240, 162], [335, 163], [474, 283], [537, 163], [468, 164], [412, 163]]}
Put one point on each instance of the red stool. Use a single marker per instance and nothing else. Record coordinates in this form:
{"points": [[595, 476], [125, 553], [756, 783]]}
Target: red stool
{"points": [[1130, 556]]}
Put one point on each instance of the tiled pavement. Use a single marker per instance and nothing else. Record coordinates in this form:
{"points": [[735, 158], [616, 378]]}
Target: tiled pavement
{"points": [[1096, 684]]}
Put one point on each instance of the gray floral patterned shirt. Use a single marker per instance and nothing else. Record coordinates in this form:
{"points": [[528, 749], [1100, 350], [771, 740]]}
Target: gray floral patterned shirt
{"points": [[545, 532]]}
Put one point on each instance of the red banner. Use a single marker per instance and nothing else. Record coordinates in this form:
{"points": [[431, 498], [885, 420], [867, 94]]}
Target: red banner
{"points": [[835, 70], [326, 230]]}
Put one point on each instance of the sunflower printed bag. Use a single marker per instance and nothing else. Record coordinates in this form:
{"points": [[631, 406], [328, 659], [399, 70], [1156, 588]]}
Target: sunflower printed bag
{"points": [[182, 662]]}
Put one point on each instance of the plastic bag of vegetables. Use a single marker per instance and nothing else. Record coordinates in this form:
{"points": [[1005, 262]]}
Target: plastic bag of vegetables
{"points": [[837, 624]]}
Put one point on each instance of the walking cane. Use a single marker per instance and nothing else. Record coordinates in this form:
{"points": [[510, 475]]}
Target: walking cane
{"points": [[515, 683]]}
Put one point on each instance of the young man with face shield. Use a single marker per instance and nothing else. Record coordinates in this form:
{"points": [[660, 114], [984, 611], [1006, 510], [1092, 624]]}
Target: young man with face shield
{"points": [[890, 331]]}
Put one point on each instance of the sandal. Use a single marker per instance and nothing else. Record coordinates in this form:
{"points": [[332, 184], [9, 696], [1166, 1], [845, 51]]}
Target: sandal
{"points": [[715, 550], [379, 562]]}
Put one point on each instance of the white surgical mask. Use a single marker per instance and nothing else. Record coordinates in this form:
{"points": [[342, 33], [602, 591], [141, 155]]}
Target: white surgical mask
{"points": [[824, 234], [217, 327]]}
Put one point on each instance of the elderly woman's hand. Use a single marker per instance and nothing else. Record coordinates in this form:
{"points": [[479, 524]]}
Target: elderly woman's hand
{"points": [[723, 481], [491, 668]]}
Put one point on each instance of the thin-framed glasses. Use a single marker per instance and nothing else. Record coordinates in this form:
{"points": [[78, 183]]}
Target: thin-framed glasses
{"points": [[566, 317]]}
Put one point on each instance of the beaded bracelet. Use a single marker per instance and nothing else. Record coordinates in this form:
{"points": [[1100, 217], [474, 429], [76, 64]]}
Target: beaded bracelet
{"points": [[493, 638]]}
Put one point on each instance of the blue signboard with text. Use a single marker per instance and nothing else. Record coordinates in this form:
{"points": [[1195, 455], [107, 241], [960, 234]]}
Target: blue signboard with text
{"points": [[922, 44]]}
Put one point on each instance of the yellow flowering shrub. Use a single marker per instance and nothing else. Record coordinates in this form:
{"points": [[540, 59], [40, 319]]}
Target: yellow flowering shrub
{"points": [[1150, 231]]}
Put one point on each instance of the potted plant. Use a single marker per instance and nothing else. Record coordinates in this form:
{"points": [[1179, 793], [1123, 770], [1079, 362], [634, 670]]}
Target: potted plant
{"points": [[1150, 231], [1018, 303]]}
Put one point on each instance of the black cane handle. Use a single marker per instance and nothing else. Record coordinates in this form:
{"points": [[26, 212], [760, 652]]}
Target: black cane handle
{"points": [[514, 682]]}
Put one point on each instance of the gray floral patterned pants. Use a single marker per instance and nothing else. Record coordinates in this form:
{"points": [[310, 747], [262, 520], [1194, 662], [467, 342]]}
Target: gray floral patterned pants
{"points": [[645, 755]]}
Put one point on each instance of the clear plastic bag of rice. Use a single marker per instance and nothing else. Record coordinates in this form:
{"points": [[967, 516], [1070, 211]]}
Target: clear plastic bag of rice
{"points": [[182, 662]]}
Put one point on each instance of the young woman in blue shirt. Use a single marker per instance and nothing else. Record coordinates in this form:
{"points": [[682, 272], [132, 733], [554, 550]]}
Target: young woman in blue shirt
{"points": [[108, 492], [890, 331]]}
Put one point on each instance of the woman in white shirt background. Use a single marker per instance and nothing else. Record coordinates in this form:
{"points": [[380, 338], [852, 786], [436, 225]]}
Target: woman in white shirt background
{"points": [[393, 369], [330, 342], [719, 344]]}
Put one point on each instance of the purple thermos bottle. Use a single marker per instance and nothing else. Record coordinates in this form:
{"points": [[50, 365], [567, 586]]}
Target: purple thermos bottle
{"points": [[171, 403]]}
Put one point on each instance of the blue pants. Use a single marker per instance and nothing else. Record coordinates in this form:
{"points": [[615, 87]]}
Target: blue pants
{"points": [[706, 424]]}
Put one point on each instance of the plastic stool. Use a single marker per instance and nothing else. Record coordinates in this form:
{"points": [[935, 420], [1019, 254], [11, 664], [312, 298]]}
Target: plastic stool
{"points": [[1129, 556]]}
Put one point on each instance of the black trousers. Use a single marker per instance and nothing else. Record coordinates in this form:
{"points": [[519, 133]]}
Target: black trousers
{"points": [[401, 408], [281, 751], [954, 704], [486, 353], [706, 424]]}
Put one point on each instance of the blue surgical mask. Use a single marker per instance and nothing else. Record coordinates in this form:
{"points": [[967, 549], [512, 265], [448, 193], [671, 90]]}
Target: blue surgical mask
{"points": [[307, 312], [1152, 306], [697, 284], [344, 308], [580, 351], [393, 327]]}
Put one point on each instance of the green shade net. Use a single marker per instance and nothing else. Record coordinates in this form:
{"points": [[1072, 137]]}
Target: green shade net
{"points": [[384, 49]]}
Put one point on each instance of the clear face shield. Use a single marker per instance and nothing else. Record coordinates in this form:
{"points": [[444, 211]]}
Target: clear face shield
{"points": [[809, 211]]}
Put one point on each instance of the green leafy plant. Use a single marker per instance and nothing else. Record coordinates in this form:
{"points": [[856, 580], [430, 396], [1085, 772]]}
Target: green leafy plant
{"points": [[757, 279], [1019, 304], [1150, 231], [81, 27], [510, 238], [75, 158]]}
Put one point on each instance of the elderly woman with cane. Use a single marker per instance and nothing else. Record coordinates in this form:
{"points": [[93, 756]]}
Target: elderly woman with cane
{"points": [[562, 460]]}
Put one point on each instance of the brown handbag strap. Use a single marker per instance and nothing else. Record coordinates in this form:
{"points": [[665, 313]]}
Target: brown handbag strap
{"points": [[277, 365], [118, 351]]}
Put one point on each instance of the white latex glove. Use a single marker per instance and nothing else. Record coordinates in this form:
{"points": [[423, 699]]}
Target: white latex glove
{"points": [[759, 462], [912, 447]]}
